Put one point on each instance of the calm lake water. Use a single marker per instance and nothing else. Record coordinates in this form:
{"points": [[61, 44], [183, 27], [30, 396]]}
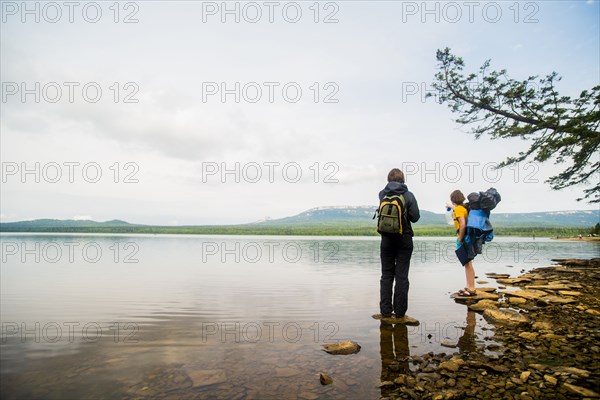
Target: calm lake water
{"points": [[133, 316]]}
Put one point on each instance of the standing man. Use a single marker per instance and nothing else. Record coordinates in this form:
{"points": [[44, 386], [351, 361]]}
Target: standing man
{"points": [[396, 250]]}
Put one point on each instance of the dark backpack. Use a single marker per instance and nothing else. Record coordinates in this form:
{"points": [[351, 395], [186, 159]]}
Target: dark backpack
{"points": [[486, 201], [392, 214]]}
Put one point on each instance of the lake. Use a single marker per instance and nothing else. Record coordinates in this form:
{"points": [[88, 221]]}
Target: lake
{"points": [[191, 316]]}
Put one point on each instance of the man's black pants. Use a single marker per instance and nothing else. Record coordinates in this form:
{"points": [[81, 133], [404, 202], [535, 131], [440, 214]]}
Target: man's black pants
{"points": [[396, 251]]}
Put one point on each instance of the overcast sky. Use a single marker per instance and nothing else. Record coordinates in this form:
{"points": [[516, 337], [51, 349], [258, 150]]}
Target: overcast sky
{"points": [[179, 114]]}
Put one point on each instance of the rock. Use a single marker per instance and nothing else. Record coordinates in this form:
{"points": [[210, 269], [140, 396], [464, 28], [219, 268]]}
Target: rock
{"points": [[489, 366], [548, 287], [527, 294], [592, 311], [576, 262], [517, 300], [552, 381], [450, 365], [552, 337], [346, 347], [449, 343], [494, 275], [207, 377], [539, 367], [325, 379], [528, 335], [505, 316], [516, 381], [429, 376], [542, 326], [557, 300], [482, 282], [406, 320], [581, 391], [569, 293], [572, 371], [512, 281], [400, 380], [386, 384], [480, 295], [486, 289], [525, 375], [483, 305]]}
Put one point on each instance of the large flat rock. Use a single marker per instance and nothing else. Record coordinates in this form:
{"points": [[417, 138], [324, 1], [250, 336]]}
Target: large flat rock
{"points": [[529, 294], [484, 304], [479, 295], [505, 316]]}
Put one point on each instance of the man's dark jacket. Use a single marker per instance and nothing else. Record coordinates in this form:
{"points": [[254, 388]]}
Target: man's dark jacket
{"points": [[412, 208]]}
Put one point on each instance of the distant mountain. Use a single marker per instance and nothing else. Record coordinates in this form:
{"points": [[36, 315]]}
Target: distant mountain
{"points": [[63, 223], [362, 215], [587, 218]]}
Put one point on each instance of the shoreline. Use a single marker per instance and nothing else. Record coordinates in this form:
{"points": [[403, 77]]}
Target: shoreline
{"points": [[576, 239], [545, 343]]}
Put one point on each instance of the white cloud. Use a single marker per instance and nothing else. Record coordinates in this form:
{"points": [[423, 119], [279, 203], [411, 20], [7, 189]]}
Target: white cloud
{"points": [[370, 55]]}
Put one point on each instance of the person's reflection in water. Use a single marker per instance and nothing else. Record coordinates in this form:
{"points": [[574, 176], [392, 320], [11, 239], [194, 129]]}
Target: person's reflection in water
{"points": [[466, 343], [394, 350]]}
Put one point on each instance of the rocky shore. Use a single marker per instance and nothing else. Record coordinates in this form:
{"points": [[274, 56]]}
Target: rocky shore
{"points": [[546, 342]]}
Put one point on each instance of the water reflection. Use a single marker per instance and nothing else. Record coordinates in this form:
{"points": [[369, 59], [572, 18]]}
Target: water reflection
{"points": [[466, 343], [393, 341]]}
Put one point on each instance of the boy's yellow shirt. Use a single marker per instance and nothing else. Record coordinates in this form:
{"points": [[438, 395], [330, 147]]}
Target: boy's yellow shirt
{"points": [[460, 211]]}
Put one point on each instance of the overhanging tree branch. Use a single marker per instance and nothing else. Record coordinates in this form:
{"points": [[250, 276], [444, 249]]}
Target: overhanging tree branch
{"points": [[558, 127]]}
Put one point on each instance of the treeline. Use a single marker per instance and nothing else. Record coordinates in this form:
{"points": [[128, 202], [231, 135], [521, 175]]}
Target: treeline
{"points": [[300, 230]]}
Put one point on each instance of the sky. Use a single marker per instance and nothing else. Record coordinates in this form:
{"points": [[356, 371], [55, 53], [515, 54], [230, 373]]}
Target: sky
{"points": [[192, 112]]}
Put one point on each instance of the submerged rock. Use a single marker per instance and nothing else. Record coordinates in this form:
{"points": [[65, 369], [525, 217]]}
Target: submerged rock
{"points": [[325, 379], [207, 377], [346, 347], [449, 343]]}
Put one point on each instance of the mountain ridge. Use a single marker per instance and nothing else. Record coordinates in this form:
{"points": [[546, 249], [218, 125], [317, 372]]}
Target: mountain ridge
{"points": [[361, 216]]}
